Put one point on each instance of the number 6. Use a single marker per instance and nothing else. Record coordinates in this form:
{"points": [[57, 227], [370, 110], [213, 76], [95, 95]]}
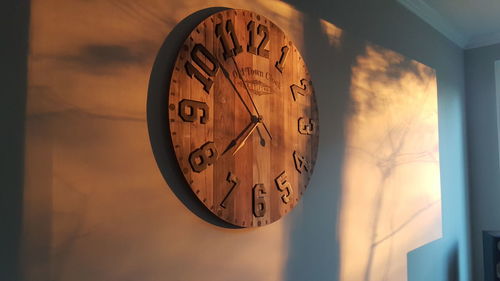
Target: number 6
{"points": [[259, 201]]}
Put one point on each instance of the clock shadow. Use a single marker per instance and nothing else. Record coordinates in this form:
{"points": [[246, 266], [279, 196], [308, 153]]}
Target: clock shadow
{"points": [[157, 116]]}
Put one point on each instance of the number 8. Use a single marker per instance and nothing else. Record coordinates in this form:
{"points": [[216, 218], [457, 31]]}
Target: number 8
{"points": [[202, 157]]}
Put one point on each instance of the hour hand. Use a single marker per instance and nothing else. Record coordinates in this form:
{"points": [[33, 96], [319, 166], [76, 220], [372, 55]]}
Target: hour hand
{"points": [[244, 139], [240, 140]]}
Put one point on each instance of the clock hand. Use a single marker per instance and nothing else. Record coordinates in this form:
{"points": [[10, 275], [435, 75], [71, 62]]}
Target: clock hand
{"points": [[226, 74], [249, 127], [250, 96], [262, 140], [242, 142], [267, 130]]}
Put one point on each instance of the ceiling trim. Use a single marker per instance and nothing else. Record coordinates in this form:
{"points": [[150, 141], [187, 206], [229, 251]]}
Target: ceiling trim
{"points": [[483, 40], [432, 17]]}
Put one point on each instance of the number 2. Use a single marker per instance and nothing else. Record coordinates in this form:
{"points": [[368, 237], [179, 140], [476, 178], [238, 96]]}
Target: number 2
{"points": [[306, 88]]}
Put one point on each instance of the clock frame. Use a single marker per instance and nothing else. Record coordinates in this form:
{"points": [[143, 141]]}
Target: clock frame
{"points": [[243, 118]]}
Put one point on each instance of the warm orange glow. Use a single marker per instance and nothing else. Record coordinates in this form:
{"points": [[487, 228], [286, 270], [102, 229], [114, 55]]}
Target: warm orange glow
{"points": [[332, 32], [391, 192], [96, 206]]}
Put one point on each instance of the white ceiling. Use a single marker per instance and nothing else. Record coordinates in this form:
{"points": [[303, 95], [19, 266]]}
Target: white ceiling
{"points": [[468, 23]]}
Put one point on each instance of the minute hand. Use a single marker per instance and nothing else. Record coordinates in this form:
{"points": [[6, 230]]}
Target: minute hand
{"points": [[226, 74], [250, 96]]}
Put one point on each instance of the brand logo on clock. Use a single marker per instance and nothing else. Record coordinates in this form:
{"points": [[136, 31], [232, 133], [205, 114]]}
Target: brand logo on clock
{"points": [[253, 79]]}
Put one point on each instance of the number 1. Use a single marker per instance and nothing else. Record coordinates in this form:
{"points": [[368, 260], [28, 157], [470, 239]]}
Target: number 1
{"points": [[281, 63]]}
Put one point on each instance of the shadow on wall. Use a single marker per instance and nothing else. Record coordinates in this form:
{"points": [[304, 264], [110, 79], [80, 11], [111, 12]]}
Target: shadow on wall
{"points": [[378, 149], [159, 132], [14, 86], [314, 250]]}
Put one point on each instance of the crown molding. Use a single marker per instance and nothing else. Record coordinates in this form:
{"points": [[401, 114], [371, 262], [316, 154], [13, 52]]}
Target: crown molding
{"points": [[483, 40], [432, 17]]}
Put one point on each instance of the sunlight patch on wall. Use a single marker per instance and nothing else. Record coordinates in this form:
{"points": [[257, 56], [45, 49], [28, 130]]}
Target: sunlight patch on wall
{"points": [[332, 32], [391, 200]]}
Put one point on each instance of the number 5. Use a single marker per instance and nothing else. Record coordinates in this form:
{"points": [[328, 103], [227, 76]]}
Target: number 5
{"points": [[283, 185]]}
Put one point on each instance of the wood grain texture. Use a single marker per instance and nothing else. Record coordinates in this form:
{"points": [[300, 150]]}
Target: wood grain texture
{"points": [[256, 175]]}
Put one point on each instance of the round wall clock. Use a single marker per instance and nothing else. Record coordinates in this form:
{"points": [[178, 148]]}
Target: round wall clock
{"points": [[243, 118]]}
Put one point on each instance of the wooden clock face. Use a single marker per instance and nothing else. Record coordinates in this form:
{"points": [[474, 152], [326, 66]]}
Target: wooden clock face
{"points": [[243, 118]]}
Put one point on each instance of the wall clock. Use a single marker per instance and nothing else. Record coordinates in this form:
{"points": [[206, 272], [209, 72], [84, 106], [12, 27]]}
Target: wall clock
{"points": [[243, 118]]}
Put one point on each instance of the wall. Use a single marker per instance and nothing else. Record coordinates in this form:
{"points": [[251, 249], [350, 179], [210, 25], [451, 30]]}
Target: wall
{"points": [[391, 26], [482, 127], [89, 162], [15, 15]]}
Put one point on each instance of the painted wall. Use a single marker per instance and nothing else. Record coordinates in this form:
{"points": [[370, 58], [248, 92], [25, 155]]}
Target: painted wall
{"points": [[482, 138], [90, 164], [13, 71], [391, 195], [391, 26]]}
